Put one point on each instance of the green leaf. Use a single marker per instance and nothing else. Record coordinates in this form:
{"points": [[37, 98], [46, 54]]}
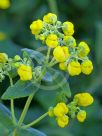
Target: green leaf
{"points": [[3, 130], [5, 119], [47, 77], [20, 89], [28, 132], [48, 89], [59, 82], [39, 57], [8, 129]]}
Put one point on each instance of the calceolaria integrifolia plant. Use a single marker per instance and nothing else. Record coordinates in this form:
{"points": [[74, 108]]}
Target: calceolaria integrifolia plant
{"points": [[34, 67]]}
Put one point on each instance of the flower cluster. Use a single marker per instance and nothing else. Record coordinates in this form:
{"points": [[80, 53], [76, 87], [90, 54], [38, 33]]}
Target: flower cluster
{"points": [[62, 112], [72, 57], [4, 4], [3, 66], [23, 67]]}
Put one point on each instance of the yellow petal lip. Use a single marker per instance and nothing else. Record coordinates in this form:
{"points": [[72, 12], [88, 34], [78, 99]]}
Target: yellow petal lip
{"points": [[87, 67], [60, 109], [74, 68], [25, 72], [61, 53], [36, 26], [84, 99], [62, 121], [52, 40]]}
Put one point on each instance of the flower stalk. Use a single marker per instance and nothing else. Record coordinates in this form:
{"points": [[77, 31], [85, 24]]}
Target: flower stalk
{"points": [[35, 121], [25, 109]]}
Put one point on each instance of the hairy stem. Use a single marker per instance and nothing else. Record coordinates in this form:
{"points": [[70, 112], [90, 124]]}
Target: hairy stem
{"points": [[25, 109], [35, 121]]}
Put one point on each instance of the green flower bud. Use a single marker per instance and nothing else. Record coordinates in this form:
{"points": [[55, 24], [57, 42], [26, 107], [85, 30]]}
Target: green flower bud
{"points": [[17, 58]]}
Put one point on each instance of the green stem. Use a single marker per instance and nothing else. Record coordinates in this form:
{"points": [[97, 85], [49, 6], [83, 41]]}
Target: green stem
{"points": [[53, 59], [53, 6], [48, 54], [52, 62], [25, 109], [12, 103], [12, 111], [42, 74], [35, 121]]}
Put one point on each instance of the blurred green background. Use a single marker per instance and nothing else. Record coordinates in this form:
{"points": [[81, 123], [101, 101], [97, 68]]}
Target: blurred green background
{"points": [[87, 18]]}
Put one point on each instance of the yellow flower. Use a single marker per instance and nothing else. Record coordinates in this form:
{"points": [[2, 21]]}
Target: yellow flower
{"points": [[25, 72], [81, 116], [3, 57], [50, 18], [4, 4], [52, 40], [87, 67], [61, 53], [74, 68], [68, 28], [51, 112], [36, 26], [83, 49], [83, 99], [62, 121], [62, 66], [60, 109], [2, 36], [70, 40]]}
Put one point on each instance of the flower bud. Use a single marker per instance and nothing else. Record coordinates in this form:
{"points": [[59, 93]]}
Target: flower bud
{"points": [[83, 49], [61, 53], [60, 109], [81, 116], [3, 57], [50, 18], [36, 26], [4, 4], [68, 28], [83, 99], [87, 67], [62, 66], [70, 41], [62, 121], [74, 68], [50, 112], [52, 40], [17, 58], [25, 72]]}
